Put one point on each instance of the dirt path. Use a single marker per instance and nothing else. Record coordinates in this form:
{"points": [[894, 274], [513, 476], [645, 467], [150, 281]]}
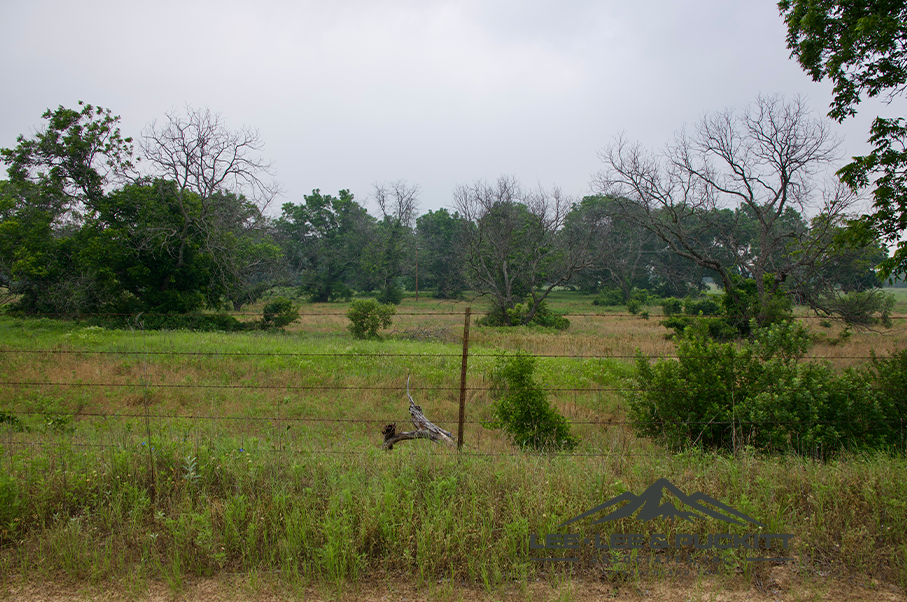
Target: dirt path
{"points": [[779, 587]]}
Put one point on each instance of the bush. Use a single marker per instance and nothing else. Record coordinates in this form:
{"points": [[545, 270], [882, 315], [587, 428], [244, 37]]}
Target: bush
{"points": [[522, 409], [719, 395], [701, 307], [278, 313], [633, 306], [544, 316], [716, 328], [367, 316], [672, 306], [516, 316]]}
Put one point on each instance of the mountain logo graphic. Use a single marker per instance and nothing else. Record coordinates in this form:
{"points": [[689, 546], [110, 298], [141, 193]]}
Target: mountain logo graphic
{"points": [[650, 506]]}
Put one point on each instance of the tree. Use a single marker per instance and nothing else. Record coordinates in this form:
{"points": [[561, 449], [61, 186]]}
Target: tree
{"points": [[438, 238], [624, 254], [324, 240], [220, 168], [398, 202], [58, 179], [862, 48], [73, 160], [513, 245], [728, 195]]}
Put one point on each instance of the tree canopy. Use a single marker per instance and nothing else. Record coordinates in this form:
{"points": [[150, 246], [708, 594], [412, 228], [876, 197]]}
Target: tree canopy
{"points": [[862, 48]]}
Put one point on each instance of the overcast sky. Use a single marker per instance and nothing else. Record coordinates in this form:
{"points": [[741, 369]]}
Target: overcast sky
{"points": [[349, 93]]}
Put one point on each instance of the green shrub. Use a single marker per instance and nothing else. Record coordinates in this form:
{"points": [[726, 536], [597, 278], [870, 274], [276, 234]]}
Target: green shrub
{"points": [[633, 306], [516, 316], [367, 316], [522, 409], [721, 395], [544, 316], [701, 307], [715, 327], [672, 306], [278, 313]]}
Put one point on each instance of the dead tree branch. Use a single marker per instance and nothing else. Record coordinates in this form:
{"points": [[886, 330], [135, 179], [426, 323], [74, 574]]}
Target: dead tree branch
{"points": [[425, 429]]}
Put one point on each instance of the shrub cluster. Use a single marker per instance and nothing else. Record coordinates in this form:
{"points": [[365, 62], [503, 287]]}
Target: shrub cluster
{"points": [[275, 315], [522, 409], [721, 395], [516, 316], [367, 316], [278, 313]]}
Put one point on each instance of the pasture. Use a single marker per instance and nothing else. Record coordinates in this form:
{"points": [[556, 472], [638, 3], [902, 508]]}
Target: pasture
{"points": [[135, 457]]}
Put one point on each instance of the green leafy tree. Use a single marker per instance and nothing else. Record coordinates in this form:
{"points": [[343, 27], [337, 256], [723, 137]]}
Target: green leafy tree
{"points": [[222, 185], [72, 161], [760, 394], [440, 254], [324, 240], [862, 48]]}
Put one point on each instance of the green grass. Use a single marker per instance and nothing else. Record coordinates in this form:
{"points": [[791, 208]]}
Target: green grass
{"points": [[264, 477]]}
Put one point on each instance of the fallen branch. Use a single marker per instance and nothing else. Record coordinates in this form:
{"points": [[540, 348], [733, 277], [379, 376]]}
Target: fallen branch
{"points": [[425, 429]]}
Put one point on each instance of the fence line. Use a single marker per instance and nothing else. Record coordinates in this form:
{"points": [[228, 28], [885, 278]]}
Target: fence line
{"points": [[471, 422], [148, 386]]}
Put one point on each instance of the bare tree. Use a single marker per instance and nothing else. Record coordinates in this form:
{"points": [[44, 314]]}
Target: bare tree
{"points": [[514, 249], [729, 195], [399, 203], [223, 185]]}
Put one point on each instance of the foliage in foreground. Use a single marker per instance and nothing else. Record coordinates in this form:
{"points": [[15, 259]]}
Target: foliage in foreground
{"points": [[522, 409], [333, 518], [719, 395]]}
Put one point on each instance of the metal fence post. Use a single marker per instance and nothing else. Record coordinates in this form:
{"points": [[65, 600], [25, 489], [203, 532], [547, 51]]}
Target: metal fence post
{"points": [[463, 378]]}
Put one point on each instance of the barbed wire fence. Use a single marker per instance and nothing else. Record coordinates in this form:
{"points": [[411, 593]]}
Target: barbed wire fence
{"points": [[264, 427]]}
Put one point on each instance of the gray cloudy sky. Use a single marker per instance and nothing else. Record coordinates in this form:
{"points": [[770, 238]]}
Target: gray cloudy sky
{"points": [[347, 93]]}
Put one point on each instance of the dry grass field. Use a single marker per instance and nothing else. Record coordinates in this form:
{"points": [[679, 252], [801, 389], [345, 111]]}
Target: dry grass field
{"points": [[162, 464]]}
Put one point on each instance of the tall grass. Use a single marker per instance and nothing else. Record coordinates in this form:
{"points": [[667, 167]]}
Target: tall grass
{"points": [[275, 477]]}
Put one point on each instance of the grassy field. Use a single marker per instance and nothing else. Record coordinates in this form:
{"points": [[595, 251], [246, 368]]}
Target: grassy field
{"points": [[131, 456]]}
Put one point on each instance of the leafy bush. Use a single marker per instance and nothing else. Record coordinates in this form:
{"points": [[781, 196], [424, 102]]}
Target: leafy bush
{"points": [[716, 327], [672, 306], [516, 316], [544, 316], [278, 313], [701, 307], [367, 316], [867, 308], [720, 395], [522, 409], [633, 306]]}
